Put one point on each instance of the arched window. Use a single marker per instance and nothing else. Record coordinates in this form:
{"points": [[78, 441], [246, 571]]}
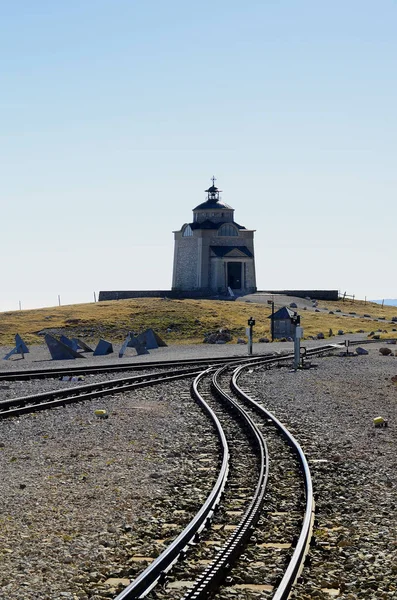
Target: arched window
{"points": [[227, 229], [187, 232]]}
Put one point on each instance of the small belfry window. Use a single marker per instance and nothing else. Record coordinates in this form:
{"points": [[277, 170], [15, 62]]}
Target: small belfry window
{"points": [[187, 232], [227, 230]]}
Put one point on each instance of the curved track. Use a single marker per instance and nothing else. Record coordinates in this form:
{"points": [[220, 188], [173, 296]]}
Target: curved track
{"points": [[21, 375], [249, 438], [221, 564]]}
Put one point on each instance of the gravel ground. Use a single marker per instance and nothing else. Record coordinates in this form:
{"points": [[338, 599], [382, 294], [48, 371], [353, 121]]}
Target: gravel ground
{"points": [[81, 498], [39, 356], [17, 389], [354, 555]]}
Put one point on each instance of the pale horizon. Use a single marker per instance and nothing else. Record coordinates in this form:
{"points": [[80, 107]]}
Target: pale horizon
{"points": [[114, 117]]}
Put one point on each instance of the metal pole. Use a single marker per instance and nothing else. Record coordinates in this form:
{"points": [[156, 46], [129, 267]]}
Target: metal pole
{"points": [[251, 323], [20, 306], [59, 300], [272, 321], [297, 344], [94, 297], [297, 352]]}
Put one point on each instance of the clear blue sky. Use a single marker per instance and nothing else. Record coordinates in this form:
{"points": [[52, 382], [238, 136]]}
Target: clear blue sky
{"points": [[115, 114]]}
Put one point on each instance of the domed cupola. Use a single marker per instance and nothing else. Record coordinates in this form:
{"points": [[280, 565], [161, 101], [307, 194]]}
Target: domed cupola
{"points": [[213, 209]]}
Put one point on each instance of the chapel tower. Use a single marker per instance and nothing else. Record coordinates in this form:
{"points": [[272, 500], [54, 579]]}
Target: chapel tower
{"points": [[214, 253]]}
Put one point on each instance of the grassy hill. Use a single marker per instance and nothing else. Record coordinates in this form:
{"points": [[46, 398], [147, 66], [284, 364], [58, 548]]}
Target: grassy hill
{"points": [[182, 321]]}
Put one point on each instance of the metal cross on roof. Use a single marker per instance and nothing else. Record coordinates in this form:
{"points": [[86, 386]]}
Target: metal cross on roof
{"points": [[213, 180]]}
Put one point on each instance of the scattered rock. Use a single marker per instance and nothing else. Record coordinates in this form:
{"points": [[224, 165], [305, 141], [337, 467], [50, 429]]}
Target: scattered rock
{"points": [[101, 413], [380, 422], [293, 305], [361, 351], [320, 336], [117, 582], [241, 341], [221, 337], [385, 351], [263, 340]]}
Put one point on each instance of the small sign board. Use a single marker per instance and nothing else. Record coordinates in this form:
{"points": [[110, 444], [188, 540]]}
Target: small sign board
{"points": [[299, 332]]}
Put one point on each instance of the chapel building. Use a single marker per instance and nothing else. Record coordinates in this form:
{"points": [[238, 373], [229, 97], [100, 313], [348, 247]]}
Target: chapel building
{"points": [[214, 254]]}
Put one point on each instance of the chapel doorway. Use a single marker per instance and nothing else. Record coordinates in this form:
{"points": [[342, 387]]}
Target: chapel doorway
{"points": [[234, 275]]}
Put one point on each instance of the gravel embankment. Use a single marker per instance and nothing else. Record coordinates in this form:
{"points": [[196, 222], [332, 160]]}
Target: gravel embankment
{"points": [[354, 555], [81, 497], [39, 356]]}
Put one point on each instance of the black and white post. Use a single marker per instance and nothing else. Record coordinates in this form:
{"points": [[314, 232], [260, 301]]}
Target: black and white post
{"points": [[297, 346], [251, 323]]}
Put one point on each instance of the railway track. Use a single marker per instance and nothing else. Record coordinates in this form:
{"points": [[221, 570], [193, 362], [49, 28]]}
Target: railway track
{"points": [[47, 400], [19, 375], [80, 393], [250, 505], [234, 506]]}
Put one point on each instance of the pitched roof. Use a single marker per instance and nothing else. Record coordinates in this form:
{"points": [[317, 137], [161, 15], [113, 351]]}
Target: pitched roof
{"points": [[223, 250], [283, 313]]}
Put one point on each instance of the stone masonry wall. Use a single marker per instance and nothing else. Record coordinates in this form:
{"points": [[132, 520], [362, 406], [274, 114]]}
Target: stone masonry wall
{"points": [[186, 263]]}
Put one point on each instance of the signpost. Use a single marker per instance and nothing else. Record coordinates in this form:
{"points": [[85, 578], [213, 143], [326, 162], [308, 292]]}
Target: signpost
{"points": [[297, 346], [251, 323]]}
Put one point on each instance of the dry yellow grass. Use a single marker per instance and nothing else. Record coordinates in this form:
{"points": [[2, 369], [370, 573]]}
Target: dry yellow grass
{"points": [[188, 319]]}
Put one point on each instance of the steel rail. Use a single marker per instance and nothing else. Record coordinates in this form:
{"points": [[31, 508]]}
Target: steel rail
{"points": [[234, 545], [148, 579], [20, 375], [157, 569], [54, 398], [141, 586], [363, 342], [296, 563]]}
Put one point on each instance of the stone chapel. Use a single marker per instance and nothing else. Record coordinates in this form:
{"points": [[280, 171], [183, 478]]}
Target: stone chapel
{"points": [[214, 254]]}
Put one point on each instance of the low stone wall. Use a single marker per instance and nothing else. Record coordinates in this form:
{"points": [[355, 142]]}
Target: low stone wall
{"points": [[313, 294], [127, 294]]}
